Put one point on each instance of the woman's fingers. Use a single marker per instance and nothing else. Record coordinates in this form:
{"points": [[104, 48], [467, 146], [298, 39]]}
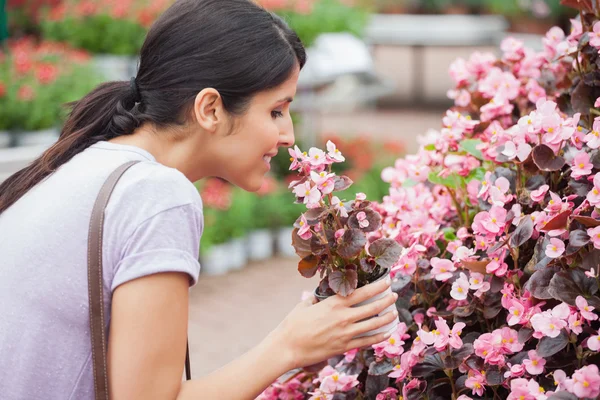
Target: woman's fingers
{"points": [[373, 308], [373, 323], [368, 291]]}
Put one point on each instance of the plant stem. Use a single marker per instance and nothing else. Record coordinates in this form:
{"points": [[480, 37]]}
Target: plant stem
{"points": [[495, 393], [449, 373]]}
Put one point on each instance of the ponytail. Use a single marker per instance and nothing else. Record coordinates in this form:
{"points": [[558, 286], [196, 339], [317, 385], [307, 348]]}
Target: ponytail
{"points": [[108, 111]]}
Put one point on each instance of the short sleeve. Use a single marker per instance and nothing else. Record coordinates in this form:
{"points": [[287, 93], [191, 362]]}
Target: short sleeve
{"points": [[166, 242]]}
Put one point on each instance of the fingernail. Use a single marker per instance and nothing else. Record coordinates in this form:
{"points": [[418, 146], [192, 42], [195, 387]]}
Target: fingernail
{"points": [[395, 313], [388, 281], [395, 296]]}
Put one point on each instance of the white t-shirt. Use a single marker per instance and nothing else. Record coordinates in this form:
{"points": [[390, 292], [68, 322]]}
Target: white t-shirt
{"points": [[153, 224]]}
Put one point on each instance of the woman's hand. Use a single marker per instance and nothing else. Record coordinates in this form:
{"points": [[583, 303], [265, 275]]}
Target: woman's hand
{"points": [[315, 332]]}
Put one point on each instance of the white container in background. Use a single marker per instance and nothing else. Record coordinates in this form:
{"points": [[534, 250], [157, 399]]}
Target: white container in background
{"points": [[5, 139], [35, 138], [284, 242], [115, 67], [259, 245], [216, 260], [237, 253]]}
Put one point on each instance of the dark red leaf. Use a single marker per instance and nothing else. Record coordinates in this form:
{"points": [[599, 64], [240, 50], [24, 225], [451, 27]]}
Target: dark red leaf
{"points": [[550, 346], [585, 5], [557, 222], [341, 183], [343, 282], [589, 222], [522, 233], [545, 159], [308, 266], [476, 266], [301, 246], [352, 243], [386, 252]]}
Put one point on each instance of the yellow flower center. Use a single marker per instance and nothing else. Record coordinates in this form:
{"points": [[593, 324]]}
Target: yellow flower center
{"points": [[534, 362], [305, 153], [579, 129], [324, 184], [301, 223], [595, 133], [494, 220], [475, 281], [477, 385], [485, 352], [541, 390], [516, 312], [529, 122], [595, 191], [581, 165], [586, 383], [443, 270], [552, 326], [307, 192], [550, 130], [554, 248], [459, 290], [335, 377], [316, 156], [291, 158]]}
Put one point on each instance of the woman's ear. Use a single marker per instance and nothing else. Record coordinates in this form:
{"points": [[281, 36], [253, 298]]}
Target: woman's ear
{"points": [[209, 110]]}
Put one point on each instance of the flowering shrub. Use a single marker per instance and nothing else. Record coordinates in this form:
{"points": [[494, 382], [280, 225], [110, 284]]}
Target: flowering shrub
{"points": [[36, 79], [499, 222], [333, 236], [122, 24]]}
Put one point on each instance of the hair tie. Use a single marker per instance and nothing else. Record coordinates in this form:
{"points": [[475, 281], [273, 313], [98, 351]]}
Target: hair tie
{"points": [[135, 90]]}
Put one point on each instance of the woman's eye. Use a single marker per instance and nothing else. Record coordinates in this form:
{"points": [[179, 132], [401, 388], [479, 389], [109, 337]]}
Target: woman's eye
{"points": [[276, 114]]}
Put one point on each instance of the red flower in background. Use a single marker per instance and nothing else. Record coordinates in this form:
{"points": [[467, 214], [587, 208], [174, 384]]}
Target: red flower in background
{"points": [[86, 8], [46, 73], [25, 93], [2, 90], [216, 193], [268, 186]]}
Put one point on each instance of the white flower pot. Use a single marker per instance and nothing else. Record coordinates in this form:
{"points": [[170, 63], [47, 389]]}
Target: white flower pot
{"points": [[216, 260], [391, 327], [259, 244], [284, 242], [115, 67], [45, 137], [237, 253], [5, 139]]}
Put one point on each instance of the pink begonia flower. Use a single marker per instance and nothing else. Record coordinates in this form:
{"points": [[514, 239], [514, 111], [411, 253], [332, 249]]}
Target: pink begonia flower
{"points": [[581, 165], [350, 355], [524, 389], [497, 267], [595, 36], [406, 266], [592, 139], [442, 269], [584, 309], [515, 371], [392, 347], [534, 91], [462, 253], [320, 177], [594, 195], [485, 186], [462, 98], [360, 196], [498, 191], [476, 280], [555, 249], [339, 233], [334, 381], [327, 186], [303, 228], [485, 287], [463, 233], [593, 342], [333, 153], [388, 394], [520, 151], [555, 205], [539, 194], [534, 364], [464, 397], [497, 107], [591, 273], [480, 63], [499, 83], [413, 384], [339, 206], [597, 102], [509, 338], [297, 157], [586, 381], [419, 173], [310, 194], [547, 324], [515, 312], [317, 157], [578, 138], [454, 339], [575, 324], [318, 395], [491, 222], [363, 222], [594, 234], [476, 383], [460, 288], [512, 48], [459, 72]]}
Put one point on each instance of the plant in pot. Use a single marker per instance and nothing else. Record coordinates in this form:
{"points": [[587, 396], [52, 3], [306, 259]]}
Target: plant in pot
{"points": [[336, 238], [113, 32], [264, 216], [36, 80], [499, 215]]}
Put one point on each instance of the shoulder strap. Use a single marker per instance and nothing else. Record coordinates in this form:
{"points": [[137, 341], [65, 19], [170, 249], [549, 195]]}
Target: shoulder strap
{"points": [[95, 286]]}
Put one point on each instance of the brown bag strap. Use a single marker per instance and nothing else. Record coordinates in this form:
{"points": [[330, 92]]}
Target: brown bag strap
{"points": [[95, 286]]}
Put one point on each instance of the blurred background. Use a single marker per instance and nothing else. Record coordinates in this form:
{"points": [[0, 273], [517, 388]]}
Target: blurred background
{"points": [[377, 77]]}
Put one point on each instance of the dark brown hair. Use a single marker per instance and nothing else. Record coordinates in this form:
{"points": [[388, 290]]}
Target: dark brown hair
{"points": [[234, 46]]}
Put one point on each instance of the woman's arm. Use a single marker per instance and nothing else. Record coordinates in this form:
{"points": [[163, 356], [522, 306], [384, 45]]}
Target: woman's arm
{"points": [[148, 336]]}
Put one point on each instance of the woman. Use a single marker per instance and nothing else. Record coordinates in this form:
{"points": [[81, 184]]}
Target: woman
{"points": [[211, 98]]}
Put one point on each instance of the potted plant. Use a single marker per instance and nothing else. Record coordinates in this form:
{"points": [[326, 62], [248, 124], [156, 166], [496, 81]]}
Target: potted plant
{"points": [[236, 223], [338, 239], [113, 33], [499, 214], [264, 219], [36, 80]]}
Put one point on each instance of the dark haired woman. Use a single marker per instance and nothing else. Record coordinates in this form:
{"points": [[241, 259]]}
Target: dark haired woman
{"points": [[211, 98]]}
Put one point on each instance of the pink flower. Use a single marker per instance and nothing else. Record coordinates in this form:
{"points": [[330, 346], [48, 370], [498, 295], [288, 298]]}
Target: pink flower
{"points": [[497, 192], [392, 347], [339, 206], [595, 36], [406, 266], [464, 397], [555, 249], [297, 157], [586, 381], [489, 222], [512, 48], [594, 342], [539, 194], [515, 312], [499, 83], [454, 339], [476, 281], [547, 324], [459, 72], [524, 389], [388, 394], [303, 228], [460, 288], [520, 151], [317, 157], [363, 222], [476, 383], [594, 195], [515, 371], [535, 364], [336, 382], [333, 153], [594, 234], [442, 269], [581, 165], [320, 177], [311, 195], [585, 309], [592, 139], [575, 324]]}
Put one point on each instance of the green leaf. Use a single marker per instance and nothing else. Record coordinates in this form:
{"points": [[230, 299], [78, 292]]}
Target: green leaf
{"points": [[452, 181], [409, 183], [470, 146], [449, 234], [477, 173], [430, 147]]}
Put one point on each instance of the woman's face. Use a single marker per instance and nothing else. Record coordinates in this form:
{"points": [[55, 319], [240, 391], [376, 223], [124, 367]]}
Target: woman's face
{"points": [[257, 135]]}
